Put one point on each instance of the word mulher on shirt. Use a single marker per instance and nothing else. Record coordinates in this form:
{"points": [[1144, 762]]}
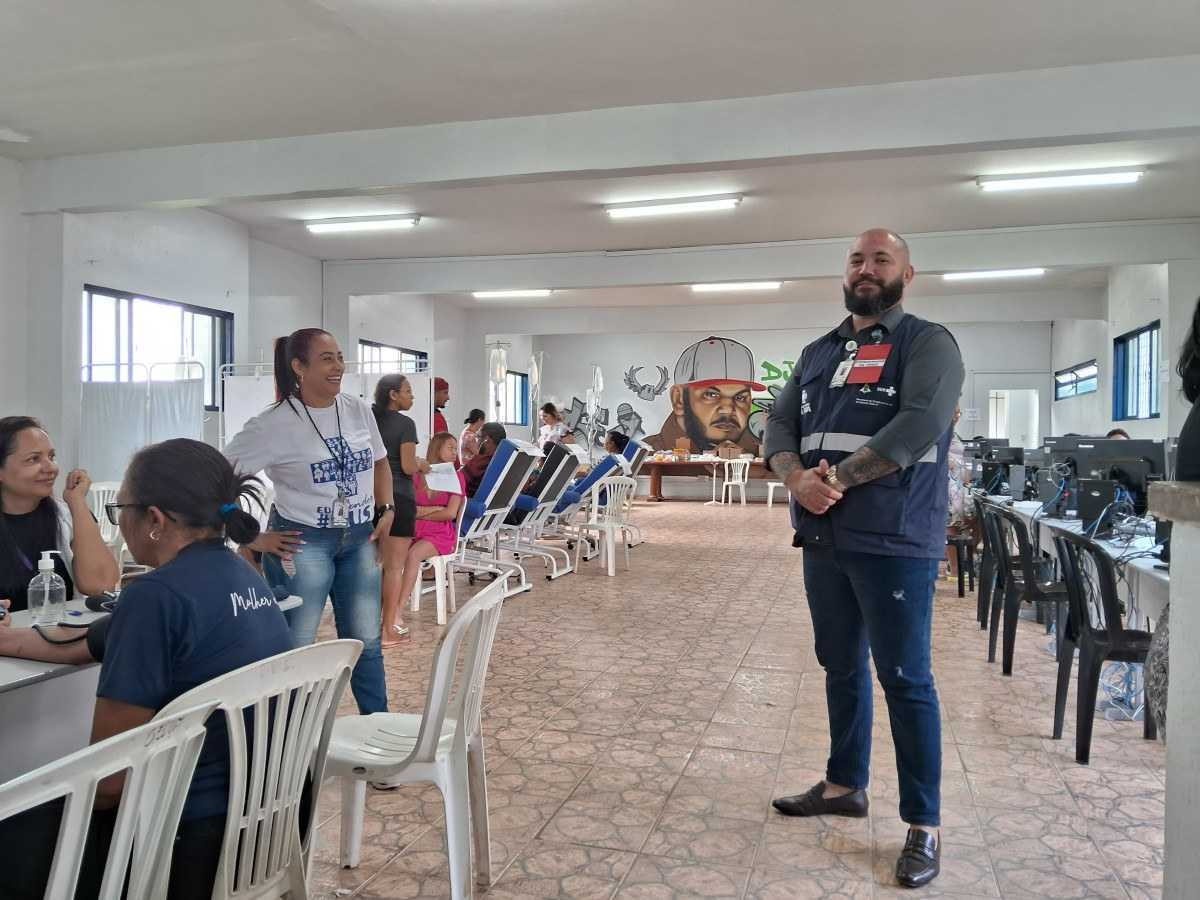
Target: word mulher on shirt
{"points": [[254, 601]]}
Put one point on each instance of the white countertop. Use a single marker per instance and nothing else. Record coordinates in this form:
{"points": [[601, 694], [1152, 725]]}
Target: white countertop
{"points": [[16, 673]]}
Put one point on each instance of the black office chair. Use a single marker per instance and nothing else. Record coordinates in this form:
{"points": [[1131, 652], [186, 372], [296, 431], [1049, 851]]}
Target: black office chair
{"points": [[1025, 581], [1094, 625], [987, 566], [964, 554]]}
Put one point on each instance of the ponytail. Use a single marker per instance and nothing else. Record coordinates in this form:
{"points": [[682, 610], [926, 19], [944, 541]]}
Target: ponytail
{"points": [[296, 345], [198, 486]]}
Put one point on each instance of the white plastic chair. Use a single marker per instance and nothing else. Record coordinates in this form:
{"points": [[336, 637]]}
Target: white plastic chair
{"points": [[443, 585], [772, 486], [443, 744], [158, 760], [606, 517], [737, 475], [294, 698], [100, 494]]}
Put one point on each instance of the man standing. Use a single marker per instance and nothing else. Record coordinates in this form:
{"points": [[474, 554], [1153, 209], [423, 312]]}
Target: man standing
{"points": [[710, 399], [860, 435], [441, 396]]}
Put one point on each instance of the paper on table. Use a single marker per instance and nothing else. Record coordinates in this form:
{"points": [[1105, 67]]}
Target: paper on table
{"points": [[442, 477]]}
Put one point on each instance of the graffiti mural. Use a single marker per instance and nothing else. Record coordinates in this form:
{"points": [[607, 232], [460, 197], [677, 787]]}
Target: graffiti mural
{"points": [[711, 397], [647, 392], [629, 422]]}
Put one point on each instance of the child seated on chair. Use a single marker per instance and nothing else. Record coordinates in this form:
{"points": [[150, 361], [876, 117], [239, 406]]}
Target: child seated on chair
{"points": [[436, 532]]}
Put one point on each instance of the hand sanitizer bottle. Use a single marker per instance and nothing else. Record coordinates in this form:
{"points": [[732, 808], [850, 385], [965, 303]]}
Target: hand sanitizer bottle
{"points": [[47, 593]]}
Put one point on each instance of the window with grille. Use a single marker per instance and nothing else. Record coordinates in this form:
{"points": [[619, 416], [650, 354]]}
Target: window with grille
{"points": [[1081, 379], [377, 358], [125, 334], [1135, 374]]}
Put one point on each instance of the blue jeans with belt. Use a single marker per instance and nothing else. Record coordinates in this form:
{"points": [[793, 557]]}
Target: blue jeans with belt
{"points": [[340, 564], [864, 602]]}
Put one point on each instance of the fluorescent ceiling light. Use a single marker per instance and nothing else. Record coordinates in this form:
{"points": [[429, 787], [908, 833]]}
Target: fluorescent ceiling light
{"points": [[736, 286], [361, 223], [1049, 180], [509, 295], [676, 206], [997, 273]]}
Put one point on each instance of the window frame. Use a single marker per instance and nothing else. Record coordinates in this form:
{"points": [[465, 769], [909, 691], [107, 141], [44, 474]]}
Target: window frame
{"points": [[521, 393], [1120, 376], [1061, 394], [222, 343], [420, 355]]}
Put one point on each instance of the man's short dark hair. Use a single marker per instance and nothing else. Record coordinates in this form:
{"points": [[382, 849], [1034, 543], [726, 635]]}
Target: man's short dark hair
{"points": [[494, 432]]}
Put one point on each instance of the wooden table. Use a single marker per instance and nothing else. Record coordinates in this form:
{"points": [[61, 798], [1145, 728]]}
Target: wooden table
{"points": [[703, 466]]}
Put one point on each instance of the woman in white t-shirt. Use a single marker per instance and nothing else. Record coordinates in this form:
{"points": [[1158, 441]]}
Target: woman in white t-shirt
{"points": [[333, 500], [553, 427]]}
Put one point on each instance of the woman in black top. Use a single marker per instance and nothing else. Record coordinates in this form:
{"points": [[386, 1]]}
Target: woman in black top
{"points": [[394, 396], [33, 521], [1187, 458]]}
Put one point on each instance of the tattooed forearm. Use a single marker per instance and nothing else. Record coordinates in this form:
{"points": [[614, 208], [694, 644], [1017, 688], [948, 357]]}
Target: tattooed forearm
{"points": [[784, 464], [862, 466]]}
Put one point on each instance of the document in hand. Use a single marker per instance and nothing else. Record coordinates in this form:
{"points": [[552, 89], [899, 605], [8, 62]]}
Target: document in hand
{"points": [[443, 477]]}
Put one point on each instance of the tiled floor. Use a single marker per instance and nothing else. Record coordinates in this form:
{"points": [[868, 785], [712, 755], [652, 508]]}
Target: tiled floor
{"points": [[638, 726]]}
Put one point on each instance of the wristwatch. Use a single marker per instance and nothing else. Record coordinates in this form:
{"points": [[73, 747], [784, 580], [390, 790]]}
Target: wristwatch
{"points": [[382, 510], [831, 479]]}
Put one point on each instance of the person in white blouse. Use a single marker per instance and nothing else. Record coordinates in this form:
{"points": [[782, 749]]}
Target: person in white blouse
{"points": [[553, 427], [333, 500]]}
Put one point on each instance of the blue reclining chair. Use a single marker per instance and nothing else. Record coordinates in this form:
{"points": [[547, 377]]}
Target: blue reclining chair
{"points": [[522, 532], [575, 496], [484, 514]]}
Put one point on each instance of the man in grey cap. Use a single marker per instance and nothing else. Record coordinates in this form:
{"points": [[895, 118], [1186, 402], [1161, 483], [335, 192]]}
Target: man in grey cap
{"points": [[710, 399]]}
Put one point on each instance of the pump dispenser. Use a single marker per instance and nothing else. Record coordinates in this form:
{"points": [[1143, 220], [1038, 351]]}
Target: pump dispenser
{"points": [[47, 593]]}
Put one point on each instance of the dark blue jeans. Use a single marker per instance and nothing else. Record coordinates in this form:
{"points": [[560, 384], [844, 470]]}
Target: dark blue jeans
{"points": [[863, 602], [338, 564]]}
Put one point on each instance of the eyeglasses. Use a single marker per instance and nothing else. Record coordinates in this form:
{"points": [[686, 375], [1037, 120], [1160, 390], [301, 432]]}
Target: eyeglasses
{"points": [[113, 510]]}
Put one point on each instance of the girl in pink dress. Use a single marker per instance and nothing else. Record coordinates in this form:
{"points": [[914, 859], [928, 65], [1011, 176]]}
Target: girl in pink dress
{"points": [[436, 532]]}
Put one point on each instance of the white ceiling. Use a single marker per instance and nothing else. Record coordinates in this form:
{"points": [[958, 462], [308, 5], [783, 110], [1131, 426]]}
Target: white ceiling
{"points": [[793, 201], [85, 77], [808, 290]]}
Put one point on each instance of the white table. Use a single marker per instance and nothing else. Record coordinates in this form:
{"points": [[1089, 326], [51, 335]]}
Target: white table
{"points": [[1150, 586], [46, 708]]}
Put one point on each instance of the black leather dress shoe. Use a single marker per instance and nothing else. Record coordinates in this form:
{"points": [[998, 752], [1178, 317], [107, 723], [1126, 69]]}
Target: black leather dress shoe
{"points": [[921, 859], [811, 803]]}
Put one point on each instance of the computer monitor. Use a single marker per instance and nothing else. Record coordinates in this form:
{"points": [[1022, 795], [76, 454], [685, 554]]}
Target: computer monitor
{"points": [[1037, 459], [1009, 455], [1130, 463], [1063, 442]]}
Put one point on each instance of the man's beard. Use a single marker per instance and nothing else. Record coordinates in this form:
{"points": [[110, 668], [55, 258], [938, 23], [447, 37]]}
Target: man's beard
{"points": [[889, 295], [698, 433]]}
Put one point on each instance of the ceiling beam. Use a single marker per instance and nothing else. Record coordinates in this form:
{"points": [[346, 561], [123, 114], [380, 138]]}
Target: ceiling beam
{"points": [[1076, 104], [1087, 245]]}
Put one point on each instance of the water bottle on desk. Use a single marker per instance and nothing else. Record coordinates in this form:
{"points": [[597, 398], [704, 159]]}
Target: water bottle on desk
{"points": [[47, 593]]}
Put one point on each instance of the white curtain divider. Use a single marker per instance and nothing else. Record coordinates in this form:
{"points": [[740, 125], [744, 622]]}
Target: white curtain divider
{"points": [[113, 425]]}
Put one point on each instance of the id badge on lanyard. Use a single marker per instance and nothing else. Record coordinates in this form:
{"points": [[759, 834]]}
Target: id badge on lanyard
{"points": [[842, 372], [340, 514]]}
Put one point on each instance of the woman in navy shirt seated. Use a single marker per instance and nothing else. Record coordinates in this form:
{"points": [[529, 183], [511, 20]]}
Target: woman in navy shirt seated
{"points": [[202, 612]]}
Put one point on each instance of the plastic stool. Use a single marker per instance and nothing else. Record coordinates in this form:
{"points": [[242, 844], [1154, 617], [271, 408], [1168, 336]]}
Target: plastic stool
{"points": [[771, 485]]}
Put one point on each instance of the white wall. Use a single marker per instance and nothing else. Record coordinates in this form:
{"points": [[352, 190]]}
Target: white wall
{"points": [[1073, 342], [285, 294], [1136, 296], [14, 250], [449, 349]]}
